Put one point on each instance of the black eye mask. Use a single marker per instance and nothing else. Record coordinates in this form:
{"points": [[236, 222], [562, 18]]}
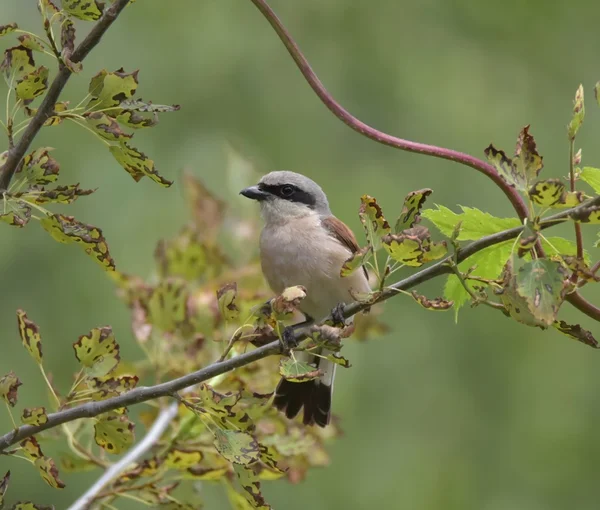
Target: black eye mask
{"points": [[290, 193]]}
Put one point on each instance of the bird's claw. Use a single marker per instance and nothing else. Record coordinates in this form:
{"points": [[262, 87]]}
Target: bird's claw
{"points": [[288, 340], [337, 315]]}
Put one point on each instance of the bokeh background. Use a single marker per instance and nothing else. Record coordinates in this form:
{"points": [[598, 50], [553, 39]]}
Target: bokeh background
{"points": [[486, 414]]}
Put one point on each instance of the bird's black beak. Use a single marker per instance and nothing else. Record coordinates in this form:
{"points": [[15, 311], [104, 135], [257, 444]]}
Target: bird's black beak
{"points": [[255, 193]]}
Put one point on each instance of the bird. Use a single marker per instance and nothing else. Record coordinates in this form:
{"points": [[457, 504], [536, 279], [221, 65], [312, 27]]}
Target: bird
{"points": [[303, 243]]}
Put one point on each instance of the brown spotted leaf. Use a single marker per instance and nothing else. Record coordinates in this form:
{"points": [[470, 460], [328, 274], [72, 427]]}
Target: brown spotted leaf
{"points": [[32, 84], [66, 229], [9, 385], [31, 41], [88, 10], [110, 89], [137, 163], [98, 351], [114, 432], [107, 127], [38, 168], [251, 485], [67, 41], [589, 215], [374, 223], [49, 472], [18, 62], [358, 259], [226, 300], [7, 29], [207, 210], [16, 213], [59, 195], [34, 416], [411, 209], [31, 448], [28, 505], [553, 193], [6, 477], [431, 304], [107, 387], [179, 458], [166, 305], [576, 332], [30, 336], [236, 446], [413, 247], [524, 168]]}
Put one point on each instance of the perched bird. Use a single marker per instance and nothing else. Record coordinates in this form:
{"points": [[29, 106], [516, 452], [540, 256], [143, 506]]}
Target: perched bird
{"points": [[302, 243]]}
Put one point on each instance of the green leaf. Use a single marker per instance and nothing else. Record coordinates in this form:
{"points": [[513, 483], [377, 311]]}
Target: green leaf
{"points": [[576, 332], [592, 177], [475, 223], [98, 351], [137, 163], [66, 229], [226, 301], [106, 126], [30, 336], [28, 505], [38, 169], [578, 114], [7, 29], [431, 304], [72, 463], [411, 209], [18, 62], [533, 291], [489, 262], [6, 478], [110, 89], [185, 256], [178, 458], [9, 385], [236, 446], [32, 85], [34, 416], [297, 371], [526, 165], [251, 485], [374, 223], [49, 472], [88, 10], [358, 259], [114, 432]]}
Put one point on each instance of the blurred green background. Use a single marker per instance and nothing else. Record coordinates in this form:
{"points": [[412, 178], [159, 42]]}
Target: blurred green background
{"points": [[486, 414]]}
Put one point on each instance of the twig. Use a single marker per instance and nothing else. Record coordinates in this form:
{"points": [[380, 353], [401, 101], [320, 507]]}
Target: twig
{"points": [[143, 394], [16, 153], [164, 418], [578, 236]]}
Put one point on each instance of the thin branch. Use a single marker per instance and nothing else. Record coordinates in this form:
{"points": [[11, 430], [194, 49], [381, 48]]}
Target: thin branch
{"points": [[16, 153], [143, 394], [161, 423], [578, 235], [406, 145]]}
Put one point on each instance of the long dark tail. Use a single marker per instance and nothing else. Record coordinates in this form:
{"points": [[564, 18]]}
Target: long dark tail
{"points": [[314, 396]]}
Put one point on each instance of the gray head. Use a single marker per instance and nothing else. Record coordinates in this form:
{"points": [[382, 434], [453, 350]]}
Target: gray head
{"points": [[283, 195]]}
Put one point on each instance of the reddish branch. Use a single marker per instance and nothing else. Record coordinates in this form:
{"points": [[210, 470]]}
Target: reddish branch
{"points": [[406, 145]]}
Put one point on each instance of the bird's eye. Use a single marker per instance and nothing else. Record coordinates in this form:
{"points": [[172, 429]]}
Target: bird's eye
{"points": [[287, 190]]}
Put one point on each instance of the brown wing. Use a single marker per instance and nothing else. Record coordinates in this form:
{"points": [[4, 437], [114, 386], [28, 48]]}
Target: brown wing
{"points": [[338, 230]]}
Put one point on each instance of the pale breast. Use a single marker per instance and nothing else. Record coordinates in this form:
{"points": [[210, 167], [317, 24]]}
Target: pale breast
{"points": [[301, 252]]}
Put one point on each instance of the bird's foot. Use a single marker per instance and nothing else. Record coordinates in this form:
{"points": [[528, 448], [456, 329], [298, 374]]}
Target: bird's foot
{"points": [[288, 340], [337, 315]]}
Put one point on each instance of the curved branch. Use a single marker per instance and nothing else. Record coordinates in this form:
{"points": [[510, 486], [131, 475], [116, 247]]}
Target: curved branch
{"points": [[16, 153], [347, 118], [143, 394], [164, 418], [374, 134]]}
